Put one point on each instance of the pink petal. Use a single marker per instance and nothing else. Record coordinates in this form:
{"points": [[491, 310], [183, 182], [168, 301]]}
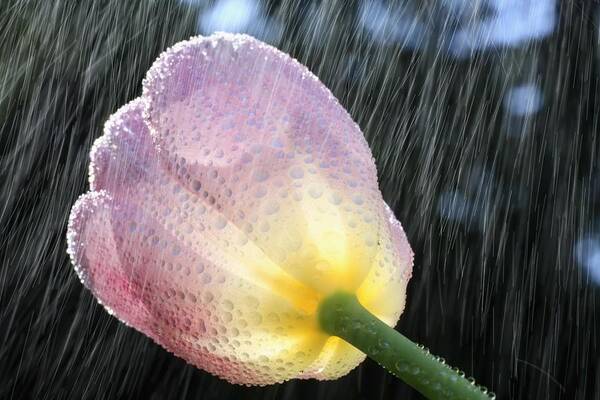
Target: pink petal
{"points": [[245, 123], [121, 157], [142, 248], [226, 202], [93, 251]]}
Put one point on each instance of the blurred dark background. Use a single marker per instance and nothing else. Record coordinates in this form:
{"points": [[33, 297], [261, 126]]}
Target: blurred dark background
{"points": [[483, 119]]}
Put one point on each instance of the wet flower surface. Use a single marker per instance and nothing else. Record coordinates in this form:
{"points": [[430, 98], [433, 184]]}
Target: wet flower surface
{"points": [[225, 203]]}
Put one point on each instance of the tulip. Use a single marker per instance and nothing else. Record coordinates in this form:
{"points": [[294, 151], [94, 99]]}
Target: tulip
{"points": [[234, 217]]}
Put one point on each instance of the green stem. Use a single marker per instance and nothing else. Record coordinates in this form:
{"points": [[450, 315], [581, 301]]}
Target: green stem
{"points": [[342, 315]]}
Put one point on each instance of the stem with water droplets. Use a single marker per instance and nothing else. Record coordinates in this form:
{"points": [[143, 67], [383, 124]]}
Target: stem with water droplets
{"points": [[342, 315]]}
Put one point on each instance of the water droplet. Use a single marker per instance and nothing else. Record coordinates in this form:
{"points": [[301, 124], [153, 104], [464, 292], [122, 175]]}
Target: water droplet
{"points": [[357, 199], [335, 199], [264, 226], [383, 345], [401, 366], [220, 222], [315, 192], [208, 297], [260, 192], [255, 318], [296, 172], [261, 175], [272, 317], [271, 208]]}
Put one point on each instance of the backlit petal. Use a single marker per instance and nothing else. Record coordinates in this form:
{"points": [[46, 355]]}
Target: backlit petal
{"points": [[225, 203]]}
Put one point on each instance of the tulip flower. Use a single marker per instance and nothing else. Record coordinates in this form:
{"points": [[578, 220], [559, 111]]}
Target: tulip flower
{"points": [[234, 217]]}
